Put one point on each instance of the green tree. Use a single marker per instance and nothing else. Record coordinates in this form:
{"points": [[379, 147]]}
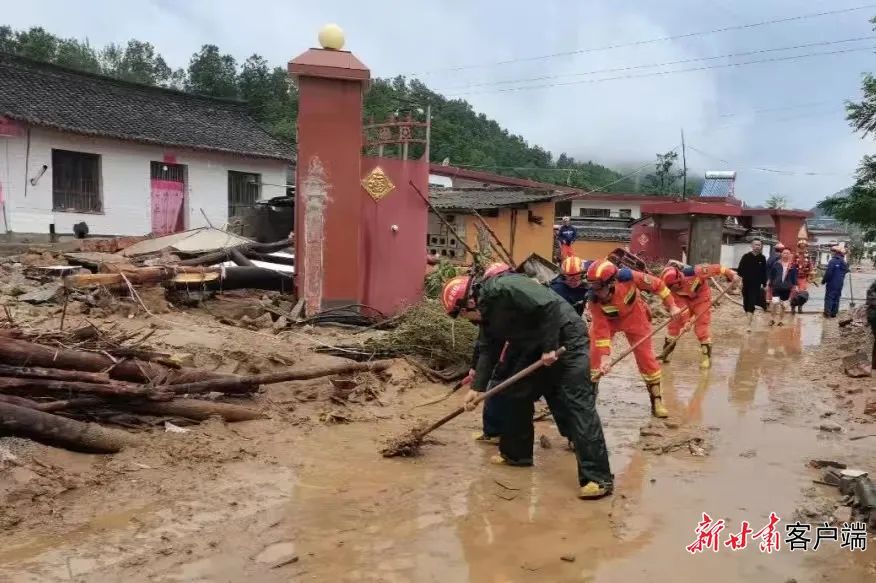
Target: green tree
{"points": [[213, 74], [8, 40], [665, 180], [138, 62], [37, 44], [777, 201], [858, 205], [77, 55]]}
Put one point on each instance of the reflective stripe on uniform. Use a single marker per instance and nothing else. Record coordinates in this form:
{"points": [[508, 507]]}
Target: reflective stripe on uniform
{"points": [[603, 343], [631, 295], [608, 309], [653, 377], [664, 292]]}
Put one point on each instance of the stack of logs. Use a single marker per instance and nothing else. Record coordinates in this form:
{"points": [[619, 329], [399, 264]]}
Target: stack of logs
{"points": [[47, 391]]}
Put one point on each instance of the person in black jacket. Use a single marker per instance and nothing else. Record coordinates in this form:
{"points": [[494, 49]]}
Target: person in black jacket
{"points": [[752, 269], [536, 322]]}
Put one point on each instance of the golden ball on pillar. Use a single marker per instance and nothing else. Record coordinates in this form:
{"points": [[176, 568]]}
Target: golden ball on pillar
{"points": [[331, 37]]}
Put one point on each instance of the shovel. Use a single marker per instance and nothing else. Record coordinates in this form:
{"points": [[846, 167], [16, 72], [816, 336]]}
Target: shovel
{"points": [[409, 444]]}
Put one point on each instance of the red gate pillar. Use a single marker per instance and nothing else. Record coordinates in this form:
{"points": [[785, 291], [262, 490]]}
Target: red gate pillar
{"points": [[329, 261]]}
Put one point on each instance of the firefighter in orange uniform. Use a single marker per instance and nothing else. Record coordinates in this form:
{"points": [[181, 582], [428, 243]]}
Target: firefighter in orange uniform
{"points": [[617, 306], [690, 289]]}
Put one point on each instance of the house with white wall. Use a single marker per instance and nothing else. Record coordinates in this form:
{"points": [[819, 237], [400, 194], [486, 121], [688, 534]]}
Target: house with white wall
{"points": [[125, 158]]}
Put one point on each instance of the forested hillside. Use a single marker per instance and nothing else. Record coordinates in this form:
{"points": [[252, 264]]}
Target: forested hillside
{"points": [[459, 133]]}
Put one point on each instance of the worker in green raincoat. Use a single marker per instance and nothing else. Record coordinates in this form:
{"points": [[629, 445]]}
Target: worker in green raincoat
{"points": [[537, 322]]}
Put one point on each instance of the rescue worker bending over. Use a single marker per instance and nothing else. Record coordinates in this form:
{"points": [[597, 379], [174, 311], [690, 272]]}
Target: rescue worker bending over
{"points": [[570, 284], [690, 289], [536, 322], [617, 306]]}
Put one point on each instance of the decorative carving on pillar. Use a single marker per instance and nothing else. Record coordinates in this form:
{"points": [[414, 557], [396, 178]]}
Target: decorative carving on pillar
{"points": [[377, 184], [314, 193]]}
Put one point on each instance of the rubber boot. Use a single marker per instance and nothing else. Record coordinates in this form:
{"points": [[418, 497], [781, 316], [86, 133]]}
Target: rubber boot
{"points": [[706, 358], [668, 348], [658, 409], [593, 491]]}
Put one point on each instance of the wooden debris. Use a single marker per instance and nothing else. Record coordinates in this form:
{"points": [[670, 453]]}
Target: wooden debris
{"points": [[55, 430]]}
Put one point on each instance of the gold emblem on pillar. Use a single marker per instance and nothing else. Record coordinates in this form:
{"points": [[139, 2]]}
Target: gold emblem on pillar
{"points": [[377, 184]]}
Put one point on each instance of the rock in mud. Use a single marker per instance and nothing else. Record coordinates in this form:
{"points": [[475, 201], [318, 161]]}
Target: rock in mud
{"points": [[831, 427], [748, 453], [569, 558], [544, 442], [833, 385], [45, 293], [277, 554]]}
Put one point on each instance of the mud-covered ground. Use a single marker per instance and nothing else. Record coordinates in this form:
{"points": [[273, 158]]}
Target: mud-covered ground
{"points": [[305, 496]]}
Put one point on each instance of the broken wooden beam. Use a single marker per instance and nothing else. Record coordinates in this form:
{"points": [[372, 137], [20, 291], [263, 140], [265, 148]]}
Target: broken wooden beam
{"points": [[140, 275], [56, 430], [55, 374]]}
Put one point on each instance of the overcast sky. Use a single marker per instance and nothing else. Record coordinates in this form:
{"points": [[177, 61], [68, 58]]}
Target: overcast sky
{"points": [[756, 119]]}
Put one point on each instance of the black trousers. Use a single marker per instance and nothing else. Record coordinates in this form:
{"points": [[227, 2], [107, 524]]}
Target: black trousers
{"points": [[752, 296], [572, 398]]}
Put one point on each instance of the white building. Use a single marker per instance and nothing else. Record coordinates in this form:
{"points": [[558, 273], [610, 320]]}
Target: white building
{"points": [[124, 158]]}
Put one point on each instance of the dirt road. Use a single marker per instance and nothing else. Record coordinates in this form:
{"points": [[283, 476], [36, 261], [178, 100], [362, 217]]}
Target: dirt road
{"points": [[292, 498]]}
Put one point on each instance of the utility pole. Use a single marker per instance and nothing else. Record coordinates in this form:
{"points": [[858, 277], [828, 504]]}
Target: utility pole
{"points": [[684, 167]]}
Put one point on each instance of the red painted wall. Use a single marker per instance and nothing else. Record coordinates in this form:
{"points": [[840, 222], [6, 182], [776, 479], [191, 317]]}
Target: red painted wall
{"points": [[395, 262], [787, 229], [328, 217], [657, 243]]}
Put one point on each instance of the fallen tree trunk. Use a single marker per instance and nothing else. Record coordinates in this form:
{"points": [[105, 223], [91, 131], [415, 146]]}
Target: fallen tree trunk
{"points": [[239, 258], [223, 254], [23, 353], [195, 409], [55, 430], [239, 278], [140, 275], [116, 390], [54, 374], [279, 259], [295, 374], [20, 401]]}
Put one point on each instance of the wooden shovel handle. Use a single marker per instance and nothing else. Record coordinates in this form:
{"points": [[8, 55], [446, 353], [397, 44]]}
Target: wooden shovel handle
{"points": [[487, 394]]}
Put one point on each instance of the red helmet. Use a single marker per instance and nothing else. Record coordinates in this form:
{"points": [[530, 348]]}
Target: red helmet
{"points": [[671, 275], [572, 266], [494, 269], [601, 271], [455, 293]]}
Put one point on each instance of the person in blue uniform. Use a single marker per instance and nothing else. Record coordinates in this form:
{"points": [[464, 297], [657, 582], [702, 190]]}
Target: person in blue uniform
{"points": [[570, 284], [834, 277]]}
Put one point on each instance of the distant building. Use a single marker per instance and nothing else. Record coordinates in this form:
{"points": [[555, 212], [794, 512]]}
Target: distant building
{"points": [[125, 158], [522, 219]]}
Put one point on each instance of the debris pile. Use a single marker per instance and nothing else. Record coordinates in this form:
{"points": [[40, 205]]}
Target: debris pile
{"points": [[63, 388], [440, 346]]}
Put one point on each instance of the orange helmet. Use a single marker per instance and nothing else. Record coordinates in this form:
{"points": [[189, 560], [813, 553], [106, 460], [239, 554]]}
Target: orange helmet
{"points": [[671, 275], [494, 269], [601, 271], [573, 266], [455, 293]]}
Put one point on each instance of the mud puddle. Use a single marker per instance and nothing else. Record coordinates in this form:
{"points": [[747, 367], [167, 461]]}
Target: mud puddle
{"points": [[320, 504]]}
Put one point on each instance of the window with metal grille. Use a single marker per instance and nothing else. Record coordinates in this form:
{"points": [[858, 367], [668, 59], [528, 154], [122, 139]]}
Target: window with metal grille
{"points": [[625, 213], [586, 212], [169, 172], [244, 189], [76, 182]]}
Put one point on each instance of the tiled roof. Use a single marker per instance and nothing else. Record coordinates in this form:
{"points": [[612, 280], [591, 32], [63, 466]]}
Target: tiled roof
{"points": [[47, 95], [484, 198], [609, 229]]}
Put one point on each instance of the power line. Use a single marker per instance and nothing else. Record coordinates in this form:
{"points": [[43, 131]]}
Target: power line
{"points": [[664, 64], [658, 39], [768, 170], [662, 73]]}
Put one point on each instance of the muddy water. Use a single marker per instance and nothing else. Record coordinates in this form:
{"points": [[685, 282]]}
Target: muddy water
{"points": [[323, 506]]}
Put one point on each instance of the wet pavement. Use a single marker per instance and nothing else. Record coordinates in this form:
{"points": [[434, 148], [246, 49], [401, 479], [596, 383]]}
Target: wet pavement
{"points": [[322, 505]]}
